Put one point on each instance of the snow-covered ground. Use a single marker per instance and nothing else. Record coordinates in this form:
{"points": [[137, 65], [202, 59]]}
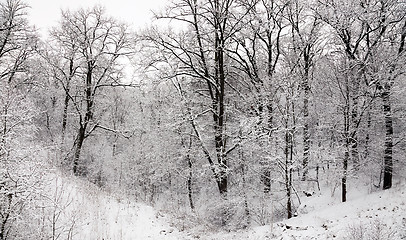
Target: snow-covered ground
{"points": [[89, 213], [379, 215]]}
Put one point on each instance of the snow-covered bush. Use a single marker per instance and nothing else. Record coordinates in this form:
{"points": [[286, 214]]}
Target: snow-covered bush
{"points": [[230, 214], [371, 230]]}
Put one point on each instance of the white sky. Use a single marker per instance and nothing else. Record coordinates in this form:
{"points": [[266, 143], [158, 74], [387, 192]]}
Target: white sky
{"points": [[46, 13]]}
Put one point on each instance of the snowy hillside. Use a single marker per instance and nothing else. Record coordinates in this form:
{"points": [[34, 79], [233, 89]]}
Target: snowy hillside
{"points": [[379, 215], [85, 212], [218, 119], [89, 213]]}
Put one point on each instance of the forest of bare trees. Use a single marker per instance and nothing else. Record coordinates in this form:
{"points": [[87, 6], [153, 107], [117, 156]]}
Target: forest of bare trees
{"points": [[235, 108]]}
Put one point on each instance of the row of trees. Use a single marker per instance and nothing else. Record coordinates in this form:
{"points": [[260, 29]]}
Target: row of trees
{"points": [[260, 98], [296, 71]]}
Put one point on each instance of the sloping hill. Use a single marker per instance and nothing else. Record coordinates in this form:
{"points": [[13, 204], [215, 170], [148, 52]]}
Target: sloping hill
{"points": [[379, 215], [82, 211], [85, 212]]}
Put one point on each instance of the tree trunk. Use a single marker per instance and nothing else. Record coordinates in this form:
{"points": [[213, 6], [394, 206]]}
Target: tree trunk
{"points": [[347, 138], [356, 113], [264, 162], [368, 137], [265, 176], [220, 142], [344, 177], [89, 93], [244, 184], [222, 182], [66, 101], [189, 184], [354, 138], [354, 152], [388, 161], [65, 115], [78, 148], [266, 172], [266, 179], [317, 177], [216, 92], [306, 90], [346, 154], [288, 172], [88, 116], [306, 135], [246, 208], [190, 176]]}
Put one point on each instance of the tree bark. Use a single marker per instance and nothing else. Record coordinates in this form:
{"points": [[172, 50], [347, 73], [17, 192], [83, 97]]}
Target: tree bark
{"points": [[65, 115], [344, 177], [388, 161], [368, 136], [355, 118], [222, 178], [266, 172], [66, 101], [347, 139], [88, 116], [78, 148], [288, 172], [190, 176], [244, 184], [306, 135]]}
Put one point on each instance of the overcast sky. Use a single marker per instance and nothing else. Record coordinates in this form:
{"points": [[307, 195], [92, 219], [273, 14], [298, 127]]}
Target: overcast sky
{"points": [[46, 13]]}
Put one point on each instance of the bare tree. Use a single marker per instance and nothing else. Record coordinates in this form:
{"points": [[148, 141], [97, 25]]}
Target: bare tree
{"points": [[257, 52], [305, 27], [202, 57], [363, 29], [93, 45]]}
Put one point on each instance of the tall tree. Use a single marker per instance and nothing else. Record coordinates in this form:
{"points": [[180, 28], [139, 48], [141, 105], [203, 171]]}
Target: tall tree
{"points": [[94, 45], [257, 54], [305, 34], [202, 57], [364, 29], [64, 69], [392, 29]]}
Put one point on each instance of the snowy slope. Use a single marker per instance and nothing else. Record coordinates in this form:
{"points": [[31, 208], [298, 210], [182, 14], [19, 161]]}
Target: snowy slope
{"points": [[380, 215], [385, 209], [89, 213], [109, 219]]}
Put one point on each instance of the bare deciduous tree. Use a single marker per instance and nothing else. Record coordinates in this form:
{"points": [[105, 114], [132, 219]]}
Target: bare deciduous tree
{"points": [[93, 45]]}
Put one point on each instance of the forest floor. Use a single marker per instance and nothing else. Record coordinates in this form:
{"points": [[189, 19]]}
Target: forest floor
{"points": [[380, 215], [90, 213]]}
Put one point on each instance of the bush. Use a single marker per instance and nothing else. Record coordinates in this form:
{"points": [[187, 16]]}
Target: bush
{"points": [[372, 230], [227, 214]]}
